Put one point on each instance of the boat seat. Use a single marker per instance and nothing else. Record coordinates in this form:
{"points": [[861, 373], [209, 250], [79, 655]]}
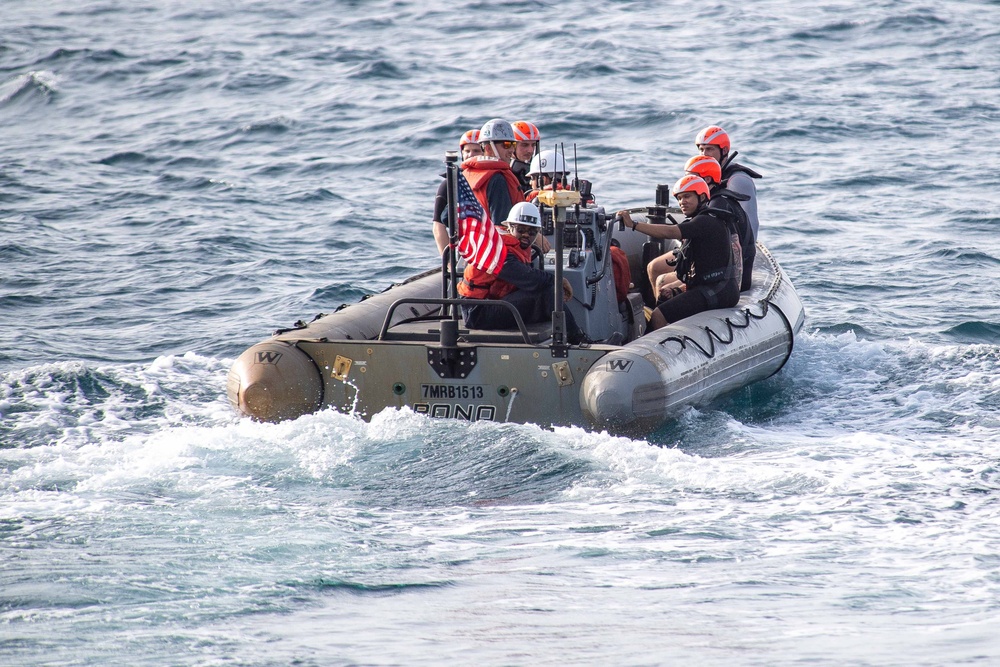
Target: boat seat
{"points": [[429, 331]]}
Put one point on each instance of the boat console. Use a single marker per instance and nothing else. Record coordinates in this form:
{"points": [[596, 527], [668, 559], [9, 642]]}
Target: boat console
{"points": [[586, 264]]}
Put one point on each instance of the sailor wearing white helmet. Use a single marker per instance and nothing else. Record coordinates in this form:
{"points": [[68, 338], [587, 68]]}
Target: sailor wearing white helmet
{"points": [[546, 167], [528, 289], [492, 181]]}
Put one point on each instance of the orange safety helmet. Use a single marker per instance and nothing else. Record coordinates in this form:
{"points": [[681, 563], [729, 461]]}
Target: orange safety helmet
{"points": [[691, 183], [470, 137], [525, 131], [713, 135], [704, 166]]}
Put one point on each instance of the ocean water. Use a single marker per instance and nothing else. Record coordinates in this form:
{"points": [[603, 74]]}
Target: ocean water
{"points": [[179, 179]]}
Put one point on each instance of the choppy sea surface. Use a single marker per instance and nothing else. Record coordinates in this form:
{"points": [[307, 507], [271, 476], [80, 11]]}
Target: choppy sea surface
{"points": [[178, 179]]}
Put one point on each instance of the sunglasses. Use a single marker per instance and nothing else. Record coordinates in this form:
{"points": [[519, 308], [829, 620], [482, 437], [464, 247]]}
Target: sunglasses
{"points": [[526, 229], [507, 144]]}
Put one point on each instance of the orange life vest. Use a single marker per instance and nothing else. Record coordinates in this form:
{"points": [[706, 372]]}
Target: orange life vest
{"points": [[621, 272], [480, 169], [478, 284]]}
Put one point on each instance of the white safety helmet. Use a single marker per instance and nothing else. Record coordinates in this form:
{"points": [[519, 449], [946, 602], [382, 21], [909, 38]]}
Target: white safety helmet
{"points": [[496, 129], [547, 162], [524, 213]]}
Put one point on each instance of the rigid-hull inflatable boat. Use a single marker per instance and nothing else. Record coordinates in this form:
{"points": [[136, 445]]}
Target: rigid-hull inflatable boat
{"points": [[407, 348]]}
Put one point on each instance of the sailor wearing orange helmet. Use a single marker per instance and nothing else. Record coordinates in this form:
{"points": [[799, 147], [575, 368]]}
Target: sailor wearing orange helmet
{"points": [[713, 141], [527, 136], [728, 204], [708, 267], [469, 146]]}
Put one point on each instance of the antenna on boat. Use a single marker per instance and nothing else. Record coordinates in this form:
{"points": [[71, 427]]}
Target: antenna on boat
{"points": [[582, 186], [576, 184], [576, 166], [558, 201]]}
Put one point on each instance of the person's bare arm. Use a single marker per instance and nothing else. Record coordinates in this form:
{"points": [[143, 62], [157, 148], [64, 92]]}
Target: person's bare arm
{"points": [[440, 236], [656, 231]]}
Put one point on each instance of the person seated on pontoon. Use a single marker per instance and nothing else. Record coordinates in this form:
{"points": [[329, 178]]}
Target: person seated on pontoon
{"points": [[714, 142], [709, 268], [517, 282], [729, 204]]}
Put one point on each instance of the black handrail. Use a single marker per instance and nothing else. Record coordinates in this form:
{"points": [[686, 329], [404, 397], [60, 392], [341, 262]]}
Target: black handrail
{"points": [[607, 260], [456, 303]]}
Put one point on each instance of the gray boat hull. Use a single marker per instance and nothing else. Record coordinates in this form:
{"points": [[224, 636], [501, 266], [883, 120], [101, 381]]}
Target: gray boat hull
{"points": [[639, 386], [337, 361]]}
